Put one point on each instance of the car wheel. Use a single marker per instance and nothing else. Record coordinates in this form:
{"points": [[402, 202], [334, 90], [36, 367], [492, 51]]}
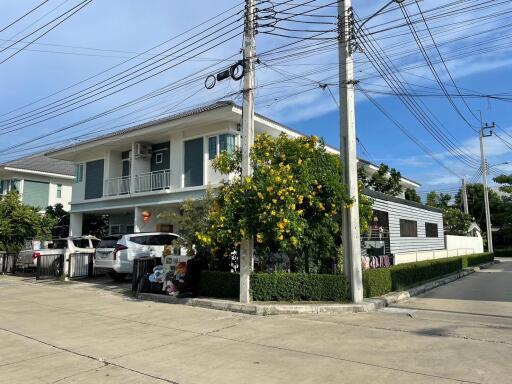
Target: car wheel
{"points": [[119, 277]]}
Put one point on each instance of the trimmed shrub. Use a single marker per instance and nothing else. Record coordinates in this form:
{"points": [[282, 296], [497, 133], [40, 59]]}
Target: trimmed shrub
{"points": [[503, 252], [219, 284], [480, 258], [298, 287], [276, 286], [380, 281]]}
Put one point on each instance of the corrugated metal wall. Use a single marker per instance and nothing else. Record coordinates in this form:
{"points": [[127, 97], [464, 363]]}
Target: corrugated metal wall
{"points": [[398, 211]]}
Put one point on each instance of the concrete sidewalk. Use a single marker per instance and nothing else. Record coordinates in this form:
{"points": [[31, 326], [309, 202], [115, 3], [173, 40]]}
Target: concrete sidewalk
{"points": [[461, 332]]}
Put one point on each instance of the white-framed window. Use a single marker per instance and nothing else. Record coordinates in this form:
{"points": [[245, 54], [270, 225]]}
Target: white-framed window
{"points": [[220, 143], [59, 191], [79, 173], [159, 158]]}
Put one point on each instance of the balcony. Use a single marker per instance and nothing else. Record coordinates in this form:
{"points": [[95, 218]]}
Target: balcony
{"points": [[153, 181], [145, 182], [116, 186]]}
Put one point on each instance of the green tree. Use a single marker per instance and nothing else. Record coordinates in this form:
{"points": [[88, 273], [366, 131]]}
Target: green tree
{"points": [[291, 204], [19, 222], [475, 194], [61, 218], [412, 195], [456, 222], [438, 200], [505, 182], [386, 180]]}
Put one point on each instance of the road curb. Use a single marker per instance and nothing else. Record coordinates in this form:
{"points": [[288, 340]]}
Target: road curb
{"points": [[266, 309]]}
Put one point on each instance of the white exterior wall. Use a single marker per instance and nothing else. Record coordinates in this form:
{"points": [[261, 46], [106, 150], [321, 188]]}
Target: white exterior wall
{"points": [[411, 257], [397, 211], [52, 181], [465, 242]]}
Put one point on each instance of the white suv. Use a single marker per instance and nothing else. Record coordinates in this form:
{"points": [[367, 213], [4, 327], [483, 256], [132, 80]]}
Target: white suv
{"points": [[115, 253]]}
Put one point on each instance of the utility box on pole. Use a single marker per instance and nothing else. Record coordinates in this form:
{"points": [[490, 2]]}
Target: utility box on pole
{"points": [[350, 224], [247, 245]]}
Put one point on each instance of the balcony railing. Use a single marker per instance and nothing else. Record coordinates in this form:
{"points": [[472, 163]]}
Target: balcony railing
{"points": [[153, 181], [116, 186]]}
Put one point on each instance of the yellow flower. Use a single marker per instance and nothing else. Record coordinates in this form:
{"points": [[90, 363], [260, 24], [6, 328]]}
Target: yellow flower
{"points": [[299, 161], [280, 237], [281, 225], [274, 201], [269, 189], [247, 179], [259, 238], [294, 240], [273, 213], [260, 195], [300, 198]]}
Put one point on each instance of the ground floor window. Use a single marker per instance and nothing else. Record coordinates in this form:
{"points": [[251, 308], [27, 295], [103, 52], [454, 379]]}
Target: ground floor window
{"points": [[408, 228]]}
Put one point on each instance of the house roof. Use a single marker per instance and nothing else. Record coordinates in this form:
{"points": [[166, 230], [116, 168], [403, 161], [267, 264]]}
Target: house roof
{"points": [[383, 196], [193, 112], [41, 163]]}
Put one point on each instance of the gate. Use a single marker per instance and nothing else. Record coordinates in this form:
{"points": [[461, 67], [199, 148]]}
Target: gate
{"points": [[49, 266], [80, 265], [8, 263], [142, 266]]}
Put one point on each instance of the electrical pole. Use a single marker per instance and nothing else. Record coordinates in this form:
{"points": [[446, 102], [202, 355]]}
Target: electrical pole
{"points": [[484, 177], [464, 196], [247, 245], [350, 224]]}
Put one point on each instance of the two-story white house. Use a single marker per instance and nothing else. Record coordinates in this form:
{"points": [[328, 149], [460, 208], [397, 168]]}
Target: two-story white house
{"points": [[135, 174], [41, 181]]}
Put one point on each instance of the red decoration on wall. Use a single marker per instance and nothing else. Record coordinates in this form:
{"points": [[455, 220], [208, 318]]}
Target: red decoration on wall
{"points": [[146, 215]]}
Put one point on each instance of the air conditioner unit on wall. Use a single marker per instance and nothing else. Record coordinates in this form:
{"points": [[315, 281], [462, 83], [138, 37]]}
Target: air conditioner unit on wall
{"points": [[142, 150]]}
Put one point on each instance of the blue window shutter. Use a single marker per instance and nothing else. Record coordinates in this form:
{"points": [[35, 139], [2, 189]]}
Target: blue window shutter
{"points": [[94, 179], [36, 193], [194, 162]]}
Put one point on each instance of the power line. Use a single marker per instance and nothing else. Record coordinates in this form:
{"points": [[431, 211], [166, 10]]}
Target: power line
{"points": [[24, 15]]}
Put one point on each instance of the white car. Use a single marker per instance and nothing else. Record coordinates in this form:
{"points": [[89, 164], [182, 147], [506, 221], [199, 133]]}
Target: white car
{"points": [[27, 258], [115, 253]]}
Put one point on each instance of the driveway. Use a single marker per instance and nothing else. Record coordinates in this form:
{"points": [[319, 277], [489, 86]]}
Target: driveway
{"points": [[94, 332]]}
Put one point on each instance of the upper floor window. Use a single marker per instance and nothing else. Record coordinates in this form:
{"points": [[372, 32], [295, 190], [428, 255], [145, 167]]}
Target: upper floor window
{"points": [[408, 228], [59, 191], [79, 173], [227, 143], [212, 147], [431, 230], [221, 143], [8, 185]]}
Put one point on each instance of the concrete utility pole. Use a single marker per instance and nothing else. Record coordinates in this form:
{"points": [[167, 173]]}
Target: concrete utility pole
{"points": [[464, 196], [350, 225], [484, 178], [247, 245]]}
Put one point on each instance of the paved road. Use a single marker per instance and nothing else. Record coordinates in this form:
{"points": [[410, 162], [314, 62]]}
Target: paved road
{"points": [[95, 333]]}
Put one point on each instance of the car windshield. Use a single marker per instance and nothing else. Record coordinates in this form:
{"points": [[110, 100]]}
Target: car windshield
{"points": [[109, 242], [81, 243], [163, 239], [59, 244]]}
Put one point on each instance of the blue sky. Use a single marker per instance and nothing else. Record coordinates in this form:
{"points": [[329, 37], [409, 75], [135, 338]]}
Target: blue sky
{"points": [[112, 31]]}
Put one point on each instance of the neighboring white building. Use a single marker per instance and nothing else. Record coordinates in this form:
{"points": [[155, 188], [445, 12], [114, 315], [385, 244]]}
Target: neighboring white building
{"points": [[154, 167], [40, 180]]}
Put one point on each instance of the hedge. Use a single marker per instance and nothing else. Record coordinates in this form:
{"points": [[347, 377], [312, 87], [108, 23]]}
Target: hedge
{"points": [[380, 281], [503, 252], [319, 287], [219, 284], [276, 286], [298, 287]]}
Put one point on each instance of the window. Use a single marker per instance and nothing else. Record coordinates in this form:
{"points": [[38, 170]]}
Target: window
{"points": [[79, 173], [431, 230], [109, 242], [408, 228], [59, 191], [153, 239], [81, 243], [115, 229], [159, 158], [212, 147], [194, 161], [227, 143]]}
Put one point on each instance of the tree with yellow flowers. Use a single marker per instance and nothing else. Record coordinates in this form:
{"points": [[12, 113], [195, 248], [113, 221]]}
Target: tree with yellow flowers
{"points": [[291, 204]]}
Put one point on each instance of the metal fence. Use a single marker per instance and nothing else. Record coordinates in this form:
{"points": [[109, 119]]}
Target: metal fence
{"points": [[49, 266], [142, 266], [80, 265], [8, 263]]}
